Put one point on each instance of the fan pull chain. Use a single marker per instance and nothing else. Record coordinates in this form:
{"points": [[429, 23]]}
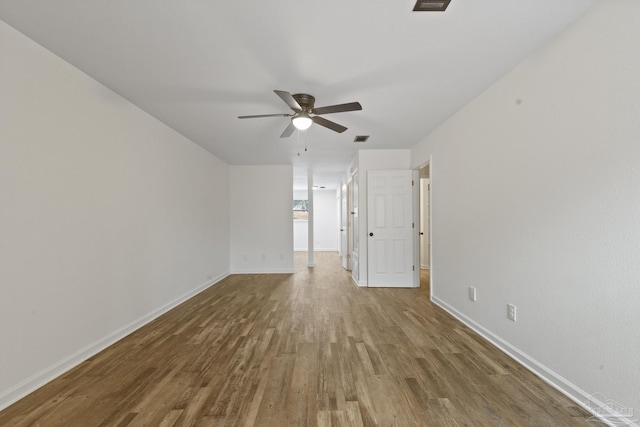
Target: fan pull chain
{"points": [[305, 143]]}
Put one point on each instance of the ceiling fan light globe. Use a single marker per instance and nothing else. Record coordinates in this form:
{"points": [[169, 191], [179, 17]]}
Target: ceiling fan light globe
{"points": [[302, 122]]}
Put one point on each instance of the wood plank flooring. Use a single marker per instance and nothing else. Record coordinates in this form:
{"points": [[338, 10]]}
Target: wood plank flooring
{"points": [[308, 349]]}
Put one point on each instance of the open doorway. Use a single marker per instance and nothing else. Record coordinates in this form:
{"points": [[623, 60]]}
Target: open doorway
{"points": [[424, 245]]}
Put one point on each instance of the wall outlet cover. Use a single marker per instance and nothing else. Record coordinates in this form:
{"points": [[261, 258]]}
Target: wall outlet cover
{"points": [[511, 312]]}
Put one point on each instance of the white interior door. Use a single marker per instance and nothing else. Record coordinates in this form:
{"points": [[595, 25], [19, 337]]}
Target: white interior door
{"points": [[390, 229], [344, 251]]}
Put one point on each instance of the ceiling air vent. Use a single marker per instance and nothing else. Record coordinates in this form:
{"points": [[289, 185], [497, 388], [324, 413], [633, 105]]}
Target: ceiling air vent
{"points": [[431, 5], [361, 138]]}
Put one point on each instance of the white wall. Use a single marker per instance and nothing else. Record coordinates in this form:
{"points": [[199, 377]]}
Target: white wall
{"points": [[300, 195], [300, 234], [536, 202], [261, 225], [300, 226], [107, 217], [325, 222], [373, 160]]}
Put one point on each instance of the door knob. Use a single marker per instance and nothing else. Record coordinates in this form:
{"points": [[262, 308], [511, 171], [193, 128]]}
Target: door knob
{"points": [[421, 233], [371, 234]]}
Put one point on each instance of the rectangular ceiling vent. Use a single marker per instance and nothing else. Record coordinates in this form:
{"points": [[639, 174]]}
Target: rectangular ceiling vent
{"points": [[361, 138], [431, 5]]}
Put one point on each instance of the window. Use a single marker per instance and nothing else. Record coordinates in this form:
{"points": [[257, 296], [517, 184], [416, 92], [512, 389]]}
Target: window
{"points": [[301, 209]]}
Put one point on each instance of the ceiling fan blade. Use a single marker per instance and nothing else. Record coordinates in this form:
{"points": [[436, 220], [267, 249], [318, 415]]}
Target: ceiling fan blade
{"points": [[265, 115], [339, 108], [328, 124], [289, 100], [288, 131]]}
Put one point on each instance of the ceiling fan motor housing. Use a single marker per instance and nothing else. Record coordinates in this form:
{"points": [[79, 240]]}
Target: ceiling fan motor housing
{"points": [[306, 101]]}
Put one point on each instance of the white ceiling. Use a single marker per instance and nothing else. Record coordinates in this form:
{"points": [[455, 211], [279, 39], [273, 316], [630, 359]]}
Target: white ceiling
{"points": [[196, 65]]}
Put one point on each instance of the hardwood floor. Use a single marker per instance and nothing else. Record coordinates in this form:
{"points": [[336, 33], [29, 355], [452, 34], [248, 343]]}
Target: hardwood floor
{"points": [[308, 349]]}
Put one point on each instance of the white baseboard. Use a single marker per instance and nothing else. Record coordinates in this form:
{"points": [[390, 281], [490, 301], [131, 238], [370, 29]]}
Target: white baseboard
{"points": [[359, 283], [603, 411], [20, 390]]}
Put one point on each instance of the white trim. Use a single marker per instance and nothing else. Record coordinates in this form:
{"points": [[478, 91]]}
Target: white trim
{"points": [[429, 163], [360, 284], [415, 202], [430, 193], [22, 389], [572, 391]]}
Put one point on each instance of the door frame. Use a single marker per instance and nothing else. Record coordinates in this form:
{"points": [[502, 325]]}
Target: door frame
{"points": [[345, 229], [354, 224], [429, 164]]}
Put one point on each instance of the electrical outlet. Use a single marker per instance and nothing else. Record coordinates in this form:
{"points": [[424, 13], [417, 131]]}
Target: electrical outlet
{"points": [[472, 293], [511, 312]]}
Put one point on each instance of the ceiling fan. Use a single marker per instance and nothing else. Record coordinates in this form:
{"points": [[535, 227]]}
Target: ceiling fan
{"points": [[305, 114]]}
